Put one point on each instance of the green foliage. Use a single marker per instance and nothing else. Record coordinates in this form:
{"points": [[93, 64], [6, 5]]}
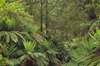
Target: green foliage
{"points": [[2, 2], [87, 52], [46, 44], [30, 28], [16, 26], [11, 36], [29, 46], [2, 61], [7, 52]]}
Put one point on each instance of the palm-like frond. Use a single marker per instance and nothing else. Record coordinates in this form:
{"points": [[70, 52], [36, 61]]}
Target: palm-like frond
{"points": [[9, 23], [52, 51], [12, 35], [29, 46], [7, 52], [22, 57], [13, 62], [38, 59], [19, 34], [91, 60], [46, 44], [30, 28]]}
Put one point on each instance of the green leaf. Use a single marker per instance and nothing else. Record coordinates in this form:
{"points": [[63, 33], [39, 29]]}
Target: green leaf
{"points": [[11, 50], [0, 57], [22, 57], [2, 2], [18, 33], [93, 37], [14, 37], [29, 46], [95, 63], [1, 34], [19, 52], [15, 61], [7, 37], [5, 50]]}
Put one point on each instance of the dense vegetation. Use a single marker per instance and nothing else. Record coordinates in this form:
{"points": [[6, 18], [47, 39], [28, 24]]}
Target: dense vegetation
{"points": [[49, 32]]}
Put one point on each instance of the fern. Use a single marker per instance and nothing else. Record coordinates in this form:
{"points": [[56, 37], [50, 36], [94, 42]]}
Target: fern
{"points": [[95, 62], [46, 45], [93, 38], [1, 34], [13, 62], [14, 37], [98, 64], [98, 33], [18, 34], [30, 28], [8, 52], [7, 37], [52, 51], [96, 57], [29, 46], [22, 57]]}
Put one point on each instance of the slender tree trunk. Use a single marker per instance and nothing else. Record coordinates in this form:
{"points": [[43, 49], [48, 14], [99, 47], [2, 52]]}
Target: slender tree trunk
{"points": [[41, 28], [47, 23], [30, 8]]}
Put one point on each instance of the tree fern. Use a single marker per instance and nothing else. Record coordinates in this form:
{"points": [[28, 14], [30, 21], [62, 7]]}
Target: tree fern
{"points": [[30, 28], [14, 37], [7, 52], [52, 51], [18, 34], [1, 34], [7, 37], [95, 63], [38, 59], [96, 57], [22, 57], [46, 44], [29, 46]]}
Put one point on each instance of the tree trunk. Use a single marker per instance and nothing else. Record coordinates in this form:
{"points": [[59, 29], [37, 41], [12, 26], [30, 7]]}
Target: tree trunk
{"points": [[41, 28], [47, 23]]}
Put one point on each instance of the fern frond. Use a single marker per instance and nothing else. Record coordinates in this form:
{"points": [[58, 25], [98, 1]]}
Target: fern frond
{"points": [[46, 44], [26, 34], [39, 55], [92, 60], [93, 37], [98, 64], [95, 62], [8, 52], [5, 50], [42, 61], [98, 32], [29, 46], [18, 33], [7, 37], [54, 60], [11, 50], [14, 37], [85, 58], [38, 38], [14, 61], [1, 34], [52, 51], [22, 57]]}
